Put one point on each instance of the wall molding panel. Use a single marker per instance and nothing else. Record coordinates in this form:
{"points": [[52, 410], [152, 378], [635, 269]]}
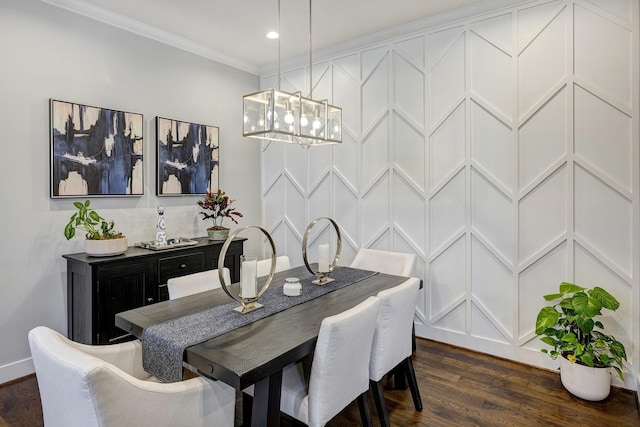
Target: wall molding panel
{"points": [[502, 149]]}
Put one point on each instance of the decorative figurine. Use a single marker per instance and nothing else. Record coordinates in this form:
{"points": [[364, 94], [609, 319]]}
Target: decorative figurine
{"points": [[161, 236]]}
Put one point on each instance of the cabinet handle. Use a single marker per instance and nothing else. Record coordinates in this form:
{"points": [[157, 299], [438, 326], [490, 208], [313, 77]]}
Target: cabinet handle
{"points": [[149, 300], [183, 266]]}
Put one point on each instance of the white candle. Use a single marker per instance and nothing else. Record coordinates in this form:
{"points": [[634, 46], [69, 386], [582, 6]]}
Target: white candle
{"points": [[248, 277], [323, 258]]}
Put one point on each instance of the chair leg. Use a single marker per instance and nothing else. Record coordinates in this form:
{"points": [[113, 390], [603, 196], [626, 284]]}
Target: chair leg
{"points": [[413, 383], [365, 412], [381, 406]]}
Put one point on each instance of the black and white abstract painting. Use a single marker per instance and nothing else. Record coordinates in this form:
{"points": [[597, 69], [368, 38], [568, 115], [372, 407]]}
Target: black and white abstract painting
{"points": [[187, 157], [95, 151]]}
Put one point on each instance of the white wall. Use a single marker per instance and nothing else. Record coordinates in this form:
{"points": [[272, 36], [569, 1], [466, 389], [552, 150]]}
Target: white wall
{"points": [[47, 52], [501, 149]]}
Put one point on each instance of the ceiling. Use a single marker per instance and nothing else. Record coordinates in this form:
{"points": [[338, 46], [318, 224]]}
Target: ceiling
{"points": [[234, 31]]}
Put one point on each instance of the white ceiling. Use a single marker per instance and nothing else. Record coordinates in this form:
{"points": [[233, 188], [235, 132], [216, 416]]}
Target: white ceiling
{"points": [[233, 31]]}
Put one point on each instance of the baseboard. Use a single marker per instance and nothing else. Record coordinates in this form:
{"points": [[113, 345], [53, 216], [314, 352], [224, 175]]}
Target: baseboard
{"points": [[638, 389], [16, 370]]}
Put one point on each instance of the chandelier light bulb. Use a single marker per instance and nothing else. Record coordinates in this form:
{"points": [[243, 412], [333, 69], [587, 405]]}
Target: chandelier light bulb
{"points": [[304, 121]]}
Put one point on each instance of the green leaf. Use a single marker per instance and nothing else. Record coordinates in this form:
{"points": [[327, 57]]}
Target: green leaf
{"points": [[580, 302], [585, 324], [570, 337], [617, 348], [569, 288], [78, 205], [551, 297], [547, 317], [605, 298], [69, 231], [587, 359], [548, 340], [619, 372]]}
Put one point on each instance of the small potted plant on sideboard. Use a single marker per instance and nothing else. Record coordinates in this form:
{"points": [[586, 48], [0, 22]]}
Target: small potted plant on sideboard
{"points": [[101, 237], [217, 206], [571, 327]]}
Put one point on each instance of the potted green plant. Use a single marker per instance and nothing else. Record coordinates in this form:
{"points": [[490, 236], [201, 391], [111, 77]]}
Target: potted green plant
{"points": [[217, 206], [571, 328], [101, 237]]}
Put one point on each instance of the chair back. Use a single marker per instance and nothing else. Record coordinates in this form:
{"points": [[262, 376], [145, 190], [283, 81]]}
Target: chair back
{"points": [[86, 386], [62, 379], [339, 372], [396, 263], [197, 282], [392, 340], [264, 265]]}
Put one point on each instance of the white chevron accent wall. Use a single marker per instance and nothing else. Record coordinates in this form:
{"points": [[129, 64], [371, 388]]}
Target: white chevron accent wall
{"points": [[503, 150]]}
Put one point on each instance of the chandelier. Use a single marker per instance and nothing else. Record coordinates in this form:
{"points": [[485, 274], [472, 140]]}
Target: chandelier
{"points": [[275, 115]]}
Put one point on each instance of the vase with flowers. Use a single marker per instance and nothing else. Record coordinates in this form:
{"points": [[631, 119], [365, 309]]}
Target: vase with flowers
{"points": [[217, 206]]}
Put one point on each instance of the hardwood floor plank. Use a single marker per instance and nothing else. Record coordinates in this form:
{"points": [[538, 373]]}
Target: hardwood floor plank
{"points": [[459, 387]]}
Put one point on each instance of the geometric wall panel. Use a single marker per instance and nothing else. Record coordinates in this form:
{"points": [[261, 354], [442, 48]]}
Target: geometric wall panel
{"points": [[603, 137], [533, 19], [409, 206], [543, 215], [603, 218], [447, 147], [491, 286], [447, 213], [447, 280], [447, 81], [410, 151], [543, 63], [375, 208], [542, 139], [483, 327], [492, 215], [492, 78], [603, 54], [375, 98], [492, 145], [501, 149], [409, 82], [497, 30], [620, 8], [375, 154], [540, 278], [296, 161], [413, 49], [593, 272]]}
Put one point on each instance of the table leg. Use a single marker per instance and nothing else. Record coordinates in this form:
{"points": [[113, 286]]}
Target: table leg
{"points": [[266, 401]]}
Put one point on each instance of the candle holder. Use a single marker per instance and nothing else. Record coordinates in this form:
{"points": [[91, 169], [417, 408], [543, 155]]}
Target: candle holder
{"points": [[247, 285], [322, 276]]}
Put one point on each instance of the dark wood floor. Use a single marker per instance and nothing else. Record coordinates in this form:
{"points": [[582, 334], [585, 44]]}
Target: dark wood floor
{"points": [[458, 387]]}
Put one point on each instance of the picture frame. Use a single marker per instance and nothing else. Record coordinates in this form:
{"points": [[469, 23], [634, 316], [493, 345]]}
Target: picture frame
{"points": [[187, 157], [95, 151]]}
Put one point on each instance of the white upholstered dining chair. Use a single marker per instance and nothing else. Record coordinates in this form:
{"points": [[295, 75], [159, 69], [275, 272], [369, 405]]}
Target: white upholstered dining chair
{"points": [[197, 282], [392, 343], [339, 371], [85, 386], [396, 263], [264, 265]]}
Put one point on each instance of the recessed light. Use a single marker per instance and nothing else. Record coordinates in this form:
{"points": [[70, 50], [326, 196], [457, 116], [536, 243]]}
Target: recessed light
{"points": [[272, 35]]}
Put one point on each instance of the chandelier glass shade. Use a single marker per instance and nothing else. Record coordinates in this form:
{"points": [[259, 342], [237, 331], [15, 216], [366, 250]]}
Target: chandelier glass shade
{"points": [[274, 115]]}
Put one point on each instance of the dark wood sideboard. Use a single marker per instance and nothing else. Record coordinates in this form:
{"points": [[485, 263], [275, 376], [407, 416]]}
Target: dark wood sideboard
{"points": [[100, 287]]}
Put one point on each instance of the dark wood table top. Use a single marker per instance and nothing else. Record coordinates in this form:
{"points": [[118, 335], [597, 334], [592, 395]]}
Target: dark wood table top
{"points": [[248, 354]]}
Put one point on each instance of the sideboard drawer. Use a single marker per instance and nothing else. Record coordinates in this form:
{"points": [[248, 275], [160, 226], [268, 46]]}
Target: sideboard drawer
{"points": [[179, 266]]}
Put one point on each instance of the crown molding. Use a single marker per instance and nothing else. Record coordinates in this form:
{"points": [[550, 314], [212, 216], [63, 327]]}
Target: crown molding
{"points": [[134, 26]]}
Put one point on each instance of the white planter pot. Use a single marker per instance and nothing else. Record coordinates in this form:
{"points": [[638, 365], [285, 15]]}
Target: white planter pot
{"points": [[107, 247], [585, 382]]}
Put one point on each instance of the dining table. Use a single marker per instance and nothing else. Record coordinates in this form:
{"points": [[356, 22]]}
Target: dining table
{"points": [[256, 353]]}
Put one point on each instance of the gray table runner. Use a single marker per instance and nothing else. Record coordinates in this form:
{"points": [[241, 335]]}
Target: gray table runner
{"points": [[163, 344]]}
